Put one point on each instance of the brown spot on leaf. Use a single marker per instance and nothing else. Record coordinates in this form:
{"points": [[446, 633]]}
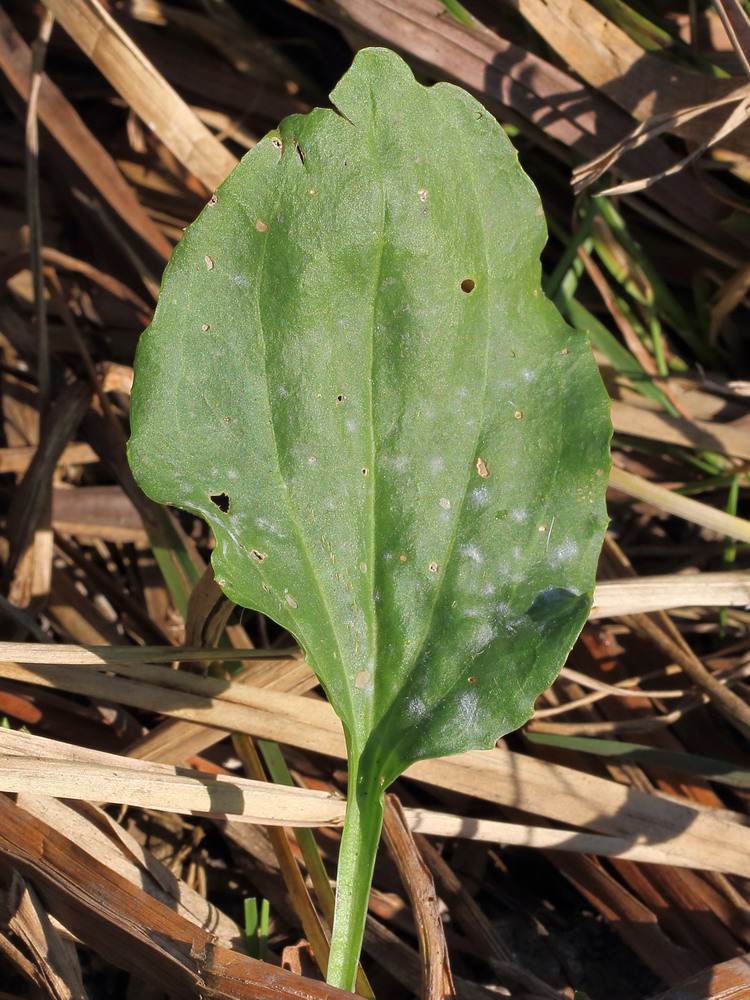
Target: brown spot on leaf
{"points": [[482, 468]]}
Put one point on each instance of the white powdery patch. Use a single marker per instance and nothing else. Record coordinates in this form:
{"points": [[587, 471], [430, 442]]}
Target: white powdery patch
{"points": [[416, 708], [468, 705], [528, 375], [519, 515], [436, 464], [352, 426], [566, 550], [233, 474], [483, 636], [265, 525], [472, 552], [479, 496]]}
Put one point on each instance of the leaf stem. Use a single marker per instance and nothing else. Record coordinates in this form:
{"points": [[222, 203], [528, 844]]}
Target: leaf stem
{"points": [[359, 844]]}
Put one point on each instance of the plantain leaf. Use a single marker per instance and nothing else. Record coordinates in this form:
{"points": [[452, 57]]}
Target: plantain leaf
{"points": [[402, 449]]}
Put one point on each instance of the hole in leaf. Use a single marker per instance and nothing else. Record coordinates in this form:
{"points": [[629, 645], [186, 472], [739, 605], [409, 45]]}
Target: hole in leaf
{"points": [[277, 143], [300, 152], [258, 556], [340, 398], [468, 285], [471, 680], [222, 501]]}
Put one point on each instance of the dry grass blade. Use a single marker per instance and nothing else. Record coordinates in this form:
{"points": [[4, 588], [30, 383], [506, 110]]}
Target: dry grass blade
{"points": [[101, 837], [32, 496], [726, 981], [55, 959], [737, 26], [685, 507], [437, 980], [587, 173], [44, 767], [19, 458], [40, 652], [36, 240], [145, 90], [737, 117], [662, 593]]}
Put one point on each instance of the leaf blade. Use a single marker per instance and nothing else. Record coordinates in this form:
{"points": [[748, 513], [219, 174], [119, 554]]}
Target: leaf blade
{"points": [[411, 444]]}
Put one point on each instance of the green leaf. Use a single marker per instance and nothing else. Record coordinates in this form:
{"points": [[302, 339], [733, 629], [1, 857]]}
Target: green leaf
{"points": [[401, 447], [637, 753]]}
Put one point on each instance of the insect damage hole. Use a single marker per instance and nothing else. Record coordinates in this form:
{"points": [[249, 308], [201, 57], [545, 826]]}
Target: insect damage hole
{"points": [[222, 502], [258, 556], [468, 285], [277, 143], [300, 152]]}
